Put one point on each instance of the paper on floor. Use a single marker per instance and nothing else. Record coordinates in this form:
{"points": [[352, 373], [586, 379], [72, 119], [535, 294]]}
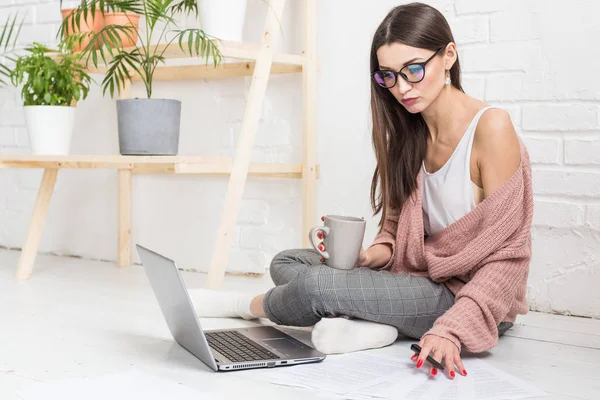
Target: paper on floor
{"points": [[336, 374], [123, 386], [368, 375], [484, 382], [492, 383], [409, 384]]}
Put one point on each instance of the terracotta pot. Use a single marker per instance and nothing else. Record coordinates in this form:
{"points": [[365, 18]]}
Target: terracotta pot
{"points": [[92, 23], [124, 19]]}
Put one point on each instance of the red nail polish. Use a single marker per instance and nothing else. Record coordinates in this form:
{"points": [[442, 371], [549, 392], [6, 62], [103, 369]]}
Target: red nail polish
{"points": [[414, 357], [452, 374], [321, 247], [320, 235], [433, 371], [323, 218], [322, 259], [464, 372], [419, 363]]}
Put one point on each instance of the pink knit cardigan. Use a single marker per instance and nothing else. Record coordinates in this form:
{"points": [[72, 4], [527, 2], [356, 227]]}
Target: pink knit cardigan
{"points": [[483, 258]]}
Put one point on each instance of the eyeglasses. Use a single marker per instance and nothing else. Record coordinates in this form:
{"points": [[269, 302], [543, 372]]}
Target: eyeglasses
{"points": [[412, 73]]}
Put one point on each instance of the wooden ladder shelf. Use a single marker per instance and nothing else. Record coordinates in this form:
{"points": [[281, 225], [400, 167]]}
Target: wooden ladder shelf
{"points": [[259, 61]]}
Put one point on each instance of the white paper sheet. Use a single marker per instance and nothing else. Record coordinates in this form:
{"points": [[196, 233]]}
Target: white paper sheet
{"points": [[368, 375], [484, 382], [339, 374], [491, 383], [409, 384], [122, 386]]}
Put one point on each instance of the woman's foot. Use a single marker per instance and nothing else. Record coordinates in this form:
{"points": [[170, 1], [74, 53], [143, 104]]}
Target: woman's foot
{"points": [[219, 304], [341, 335]]}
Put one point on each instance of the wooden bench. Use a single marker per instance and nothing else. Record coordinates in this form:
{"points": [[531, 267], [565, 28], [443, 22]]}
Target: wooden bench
{"points": [[126, 167]]}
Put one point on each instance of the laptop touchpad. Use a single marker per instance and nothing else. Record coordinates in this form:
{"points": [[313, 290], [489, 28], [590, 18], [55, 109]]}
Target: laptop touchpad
{"points": [[284, 345]]}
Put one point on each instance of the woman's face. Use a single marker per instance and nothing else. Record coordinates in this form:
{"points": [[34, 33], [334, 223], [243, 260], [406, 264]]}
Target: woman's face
{"points": [[415, 97]]}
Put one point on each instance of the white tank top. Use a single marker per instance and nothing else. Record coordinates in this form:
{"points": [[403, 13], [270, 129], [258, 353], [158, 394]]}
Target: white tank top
{"points": [[447, 194]]}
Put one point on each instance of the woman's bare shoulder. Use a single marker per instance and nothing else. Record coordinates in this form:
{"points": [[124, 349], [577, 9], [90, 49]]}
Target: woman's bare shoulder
{"points": [[497, 147]]}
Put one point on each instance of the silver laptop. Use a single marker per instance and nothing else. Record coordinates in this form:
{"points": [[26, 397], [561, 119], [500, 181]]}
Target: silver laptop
{"points": [[223, 349]]}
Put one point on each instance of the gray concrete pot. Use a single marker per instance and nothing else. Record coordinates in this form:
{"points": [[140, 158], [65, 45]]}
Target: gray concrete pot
{"points": [[148, 126]]}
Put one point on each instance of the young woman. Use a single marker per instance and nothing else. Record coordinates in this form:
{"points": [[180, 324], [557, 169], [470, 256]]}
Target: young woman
{"points": [[453, 184]]}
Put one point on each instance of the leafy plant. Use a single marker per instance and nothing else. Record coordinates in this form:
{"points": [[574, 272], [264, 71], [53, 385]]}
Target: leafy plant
{"points": [[47, 81], [107, 46], [8, 43]]}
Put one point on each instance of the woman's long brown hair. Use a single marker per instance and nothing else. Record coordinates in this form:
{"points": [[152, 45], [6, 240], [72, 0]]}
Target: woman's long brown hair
{"points": [[399, 137]]}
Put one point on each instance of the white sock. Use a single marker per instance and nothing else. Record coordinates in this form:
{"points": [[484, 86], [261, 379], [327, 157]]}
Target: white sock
{"points": [[215, 303], [341, 335]]}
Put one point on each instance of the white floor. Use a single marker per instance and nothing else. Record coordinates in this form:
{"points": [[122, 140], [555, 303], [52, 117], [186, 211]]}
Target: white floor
{"points": [[77, 318]]}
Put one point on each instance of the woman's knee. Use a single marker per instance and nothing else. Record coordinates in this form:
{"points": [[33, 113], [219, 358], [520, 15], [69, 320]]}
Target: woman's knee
{"points": [[287, 264], [285, 256], [296, 302], [280, 260]]}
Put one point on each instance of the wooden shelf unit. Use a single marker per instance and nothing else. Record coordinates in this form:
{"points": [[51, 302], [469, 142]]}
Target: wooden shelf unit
{"points": [[259, 61], [283, 63], [181, 165]]}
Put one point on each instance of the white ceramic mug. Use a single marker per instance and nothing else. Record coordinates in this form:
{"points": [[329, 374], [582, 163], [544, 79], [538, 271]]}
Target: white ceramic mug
{"points": [[339, 240]]}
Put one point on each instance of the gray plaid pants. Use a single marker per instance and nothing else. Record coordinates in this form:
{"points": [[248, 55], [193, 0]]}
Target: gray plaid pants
{"points": [[307, 290]]}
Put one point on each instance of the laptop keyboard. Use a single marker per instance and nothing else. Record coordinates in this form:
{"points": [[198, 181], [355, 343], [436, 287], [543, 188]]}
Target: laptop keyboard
{"points": [[237, 347]]}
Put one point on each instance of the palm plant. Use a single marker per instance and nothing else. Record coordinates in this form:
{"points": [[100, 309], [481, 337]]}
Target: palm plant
{"points": [[106, 46], [8, 44]]}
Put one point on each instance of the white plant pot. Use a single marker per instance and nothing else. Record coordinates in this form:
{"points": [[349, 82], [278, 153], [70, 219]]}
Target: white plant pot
{"points": [[50, 128], [223, 19]]}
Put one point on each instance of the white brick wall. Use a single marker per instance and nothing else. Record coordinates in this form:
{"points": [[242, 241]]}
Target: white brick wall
{"points": [[558, 214], [593, 216], [543, 150], [477, 6], [534, 58], [582, 151], [525, 66], [564, 117]]}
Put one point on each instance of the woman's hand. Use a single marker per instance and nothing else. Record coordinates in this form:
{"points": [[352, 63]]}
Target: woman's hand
{"points": [[443, 351], [363, 258]]}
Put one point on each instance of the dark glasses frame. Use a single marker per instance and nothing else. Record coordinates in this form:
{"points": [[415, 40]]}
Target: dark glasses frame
{"points": [[403, 75]]}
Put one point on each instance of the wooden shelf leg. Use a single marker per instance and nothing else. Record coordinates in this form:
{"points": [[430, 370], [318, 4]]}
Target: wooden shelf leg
{"points": [[36, 226], [239, 172], [124, 215], [309, 108], [124, 212]]}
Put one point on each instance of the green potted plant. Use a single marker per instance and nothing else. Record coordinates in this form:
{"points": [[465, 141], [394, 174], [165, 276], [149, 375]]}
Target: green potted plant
{"points": [[146, 126], [52, 86]]}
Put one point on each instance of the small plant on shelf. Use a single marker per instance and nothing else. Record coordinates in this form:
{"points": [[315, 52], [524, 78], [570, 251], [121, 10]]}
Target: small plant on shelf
{"points": [[146, 126], [52, 81]]}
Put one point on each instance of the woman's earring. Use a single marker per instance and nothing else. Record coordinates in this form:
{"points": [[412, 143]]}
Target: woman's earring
{"points": [[447, 81]]}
